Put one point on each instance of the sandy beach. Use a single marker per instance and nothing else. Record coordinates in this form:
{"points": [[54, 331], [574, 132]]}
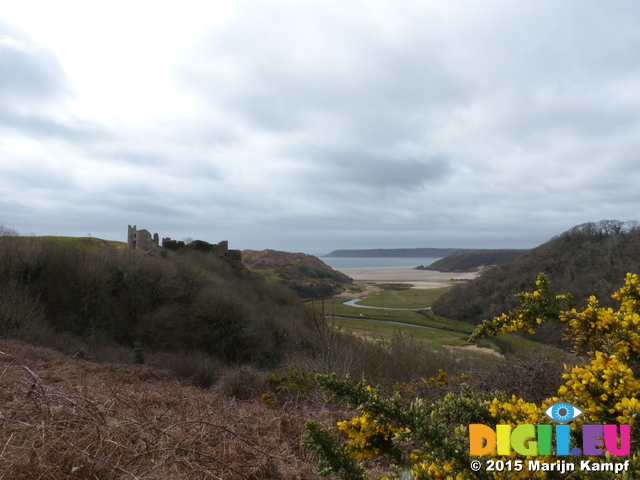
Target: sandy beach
{"points": [[419, 278]]}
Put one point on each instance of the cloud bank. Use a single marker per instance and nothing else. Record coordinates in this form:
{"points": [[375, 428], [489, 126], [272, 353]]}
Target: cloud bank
{"points": [[313, 126]]}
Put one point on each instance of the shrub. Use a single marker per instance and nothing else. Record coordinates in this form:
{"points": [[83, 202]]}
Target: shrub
{"points": [[173, 244], [218, 324], [430, 440], [138, 352], [197, 367], [242, 383], [292, 386]]}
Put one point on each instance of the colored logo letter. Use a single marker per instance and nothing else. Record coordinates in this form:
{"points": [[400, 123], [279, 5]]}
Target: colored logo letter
{"points": [[521, 434], [482, 439], [611, 440]]}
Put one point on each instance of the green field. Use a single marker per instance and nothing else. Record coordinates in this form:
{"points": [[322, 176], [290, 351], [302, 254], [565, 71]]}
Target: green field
{"points": [[383, 329], [402, 295], [336, 307], [378, 322]]}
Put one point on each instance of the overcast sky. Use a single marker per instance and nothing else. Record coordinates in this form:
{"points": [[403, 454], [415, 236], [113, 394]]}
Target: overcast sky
{"points": [[317, 125]]}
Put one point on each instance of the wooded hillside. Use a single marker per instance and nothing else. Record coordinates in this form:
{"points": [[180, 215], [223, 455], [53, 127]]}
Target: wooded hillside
{"points": [[589, 259], [167, 301], [473, 260]]}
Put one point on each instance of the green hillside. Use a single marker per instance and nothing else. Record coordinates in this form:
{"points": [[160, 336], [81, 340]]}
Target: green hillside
{"points": [[305, 274], [589, 259]]}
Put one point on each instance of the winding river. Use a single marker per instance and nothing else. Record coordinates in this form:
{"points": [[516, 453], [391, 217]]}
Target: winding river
{"points": [[353, 303]]}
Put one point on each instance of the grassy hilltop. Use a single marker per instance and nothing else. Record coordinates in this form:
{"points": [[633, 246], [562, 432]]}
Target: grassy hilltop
{"points": [[305, 274]]}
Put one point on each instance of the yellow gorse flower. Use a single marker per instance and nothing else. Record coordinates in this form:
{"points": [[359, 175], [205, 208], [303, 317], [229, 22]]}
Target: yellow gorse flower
{"points": [[365, 434]]}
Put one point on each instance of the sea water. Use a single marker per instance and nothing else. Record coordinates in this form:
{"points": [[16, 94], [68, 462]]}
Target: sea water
{"points": [[359, 262]]}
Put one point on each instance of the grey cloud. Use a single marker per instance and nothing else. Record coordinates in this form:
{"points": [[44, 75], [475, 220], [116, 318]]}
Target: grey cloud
{"points": [[37, 179], [548, 70], [28, 72], [47, 126], [404, 174], [34, 89], [310, 67], [375, 171]]}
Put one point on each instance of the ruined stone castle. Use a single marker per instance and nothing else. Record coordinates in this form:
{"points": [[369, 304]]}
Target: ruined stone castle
{"points": [[142, 240]]}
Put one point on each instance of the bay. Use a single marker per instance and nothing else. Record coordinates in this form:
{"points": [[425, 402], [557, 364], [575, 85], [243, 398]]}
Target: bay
{"points": [[359, 262]]}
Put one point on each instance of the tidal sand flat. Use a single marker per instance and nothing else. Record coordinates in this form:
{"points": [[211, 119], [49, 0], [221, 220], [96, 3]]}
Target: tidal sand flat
{"points": [[419, 278]]}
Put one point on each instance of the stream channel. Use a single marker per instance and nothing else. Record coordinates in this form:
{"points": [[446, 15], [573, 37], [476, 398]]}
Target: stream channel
{"points": [[352, 303]]}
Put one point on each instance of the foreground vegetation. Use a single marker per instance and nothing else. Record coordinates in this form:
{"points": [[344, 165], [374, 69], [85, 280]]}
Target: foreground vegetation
{"points": [[70, 418], [413, 438], [65, 418]]}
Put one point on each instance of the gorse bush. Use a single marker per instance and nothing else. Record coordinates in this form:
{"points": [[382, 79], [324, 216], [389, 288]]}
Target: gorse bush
{"points": [[418, 439], [292, 386]]}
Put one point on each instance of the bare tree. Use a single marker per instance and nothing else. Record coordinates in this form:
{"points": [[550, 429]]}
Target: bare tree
{"points": [[632, 226], [328, 338], [8, 232], [610, 227]]}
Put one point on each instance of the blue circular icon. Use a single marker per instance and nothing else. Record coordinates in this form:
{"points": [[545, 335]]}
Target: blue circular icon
{"points": [[562, 412]]}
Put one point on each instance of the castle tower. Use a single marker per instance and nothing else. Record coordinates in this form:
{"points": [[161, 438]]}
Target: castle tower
{"points": [[131, 237]]}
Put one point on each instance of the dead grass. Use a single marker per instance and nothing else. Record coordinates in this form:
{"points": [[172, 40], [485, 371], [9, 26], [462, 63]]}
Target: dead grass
{"points": [[65, 418]]}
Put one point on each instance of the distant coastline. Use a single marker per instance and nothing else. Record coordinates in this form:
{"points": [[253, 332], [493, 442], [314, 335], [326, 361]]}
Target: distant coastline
{"points": [[339, 263], [395, 253]]}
